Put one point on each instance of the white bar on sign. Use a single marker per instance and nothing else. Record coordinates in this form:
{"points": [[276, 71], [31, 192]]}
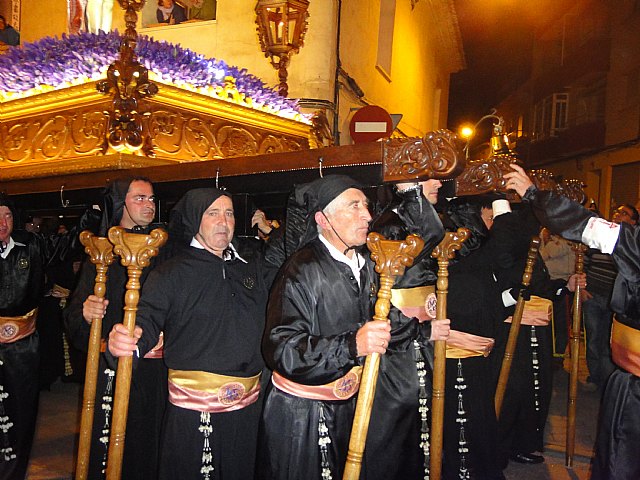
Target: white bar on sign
{"points": [[371, 127]]}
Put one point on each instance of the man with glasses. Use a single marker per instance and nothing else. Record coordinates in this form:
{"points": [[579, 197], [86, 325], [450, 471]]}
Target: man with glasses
{"points": [[625, 213], [616, 449], [601, 275], [130, 204]]}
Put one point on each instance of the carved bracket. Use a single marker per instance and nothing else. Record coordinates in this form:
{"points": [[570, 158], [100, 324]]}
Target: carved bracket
{"points": [[485, 176], [437, 155]]}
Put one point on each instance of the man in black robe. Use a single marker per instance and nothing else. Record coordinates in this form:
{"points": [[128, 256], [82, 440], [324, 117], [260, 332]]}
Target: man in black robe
{"points": [[24, 257], [470, 436], [528, 394], [317, 332], [616, 451], [209, 302], [130, 204], [397, 445], [22, 265]]}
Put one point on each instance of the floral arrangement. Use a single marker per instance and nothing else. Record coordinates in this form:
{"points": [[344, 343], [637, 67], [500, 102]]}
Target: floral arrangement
{"points": [[55, 63]]}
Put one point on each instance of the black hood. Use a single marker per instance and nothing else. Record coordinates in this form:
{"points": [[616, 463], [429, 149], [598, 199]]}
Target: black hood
{"points": [[187, 213], [305, 201]]}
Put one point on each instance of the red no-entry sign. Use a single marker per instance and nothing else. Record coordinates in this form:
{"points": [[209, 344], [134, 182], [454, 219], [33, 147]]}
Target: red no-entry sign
{"points": [[369, 124]]}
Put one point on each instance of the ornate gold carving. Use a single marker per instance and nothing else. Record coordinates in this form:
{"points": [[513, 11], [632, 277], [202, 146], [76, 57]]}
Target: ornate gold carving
{"points": [[437, 155], [66, 133], [391, 256], [129, 81], [483, 176], [572, 188], [134, 249]]}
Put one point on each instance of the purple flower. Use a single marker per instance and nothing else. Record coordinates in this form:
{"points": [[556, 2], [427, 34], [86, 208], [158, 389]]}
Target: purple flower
{"points": [[56, 62]]}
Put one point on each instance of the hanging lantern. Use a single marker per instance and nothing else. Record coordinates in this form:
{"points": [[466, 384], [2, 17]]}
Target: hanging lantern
{"points": [[281, 26]]}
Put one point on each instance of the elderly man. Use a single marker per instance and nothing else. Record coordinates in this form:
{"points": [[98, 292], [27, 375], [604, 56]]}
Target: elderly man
{"points": [[616, 452], [209, 302], [130, 204], [318, 333]]}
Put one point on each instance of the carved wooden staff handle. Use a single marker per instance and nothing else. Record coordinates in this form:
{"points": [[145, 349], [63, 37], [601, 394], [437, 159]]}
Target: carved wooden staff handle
{"points": [[579, 250], [444, 252], [100, 252], [135, 251], [512, 340], [391, 258]]}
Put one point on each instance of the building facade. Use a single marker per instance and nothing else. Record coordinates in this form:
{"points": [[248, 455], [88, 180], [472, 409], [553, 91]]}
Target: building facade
{"points": [[578, 114]]}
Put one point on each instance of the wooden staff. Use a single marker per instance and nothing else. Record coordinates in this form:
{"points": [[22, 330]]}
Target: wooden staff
{"points": [[579, 250], [391, 258], [443, 252], [512, 340], [100, 252], [135, 251]]}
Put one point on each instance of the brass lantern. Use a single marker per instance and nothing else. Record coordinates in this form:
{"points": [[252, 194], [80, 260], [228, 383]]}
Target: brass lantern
{"points": [[281, 28]]}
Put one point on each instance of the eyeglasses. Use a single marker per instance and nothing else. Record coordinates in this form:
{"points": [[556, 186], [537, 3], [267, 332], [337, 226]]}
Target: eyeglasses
{"points": [[623, 212]]}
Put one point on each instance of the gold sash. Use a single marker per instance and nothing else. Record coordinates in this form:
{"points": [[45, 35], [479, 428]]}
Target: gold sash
{"points": [[13, 329]]}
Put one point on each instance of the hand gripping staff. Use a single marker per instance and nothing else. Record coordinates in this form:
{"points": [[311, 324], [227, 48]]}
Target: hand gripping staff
{"points": [[444, 252], [579, 250], [391, 258], [100, 252], [510, 349], [135, 252]]}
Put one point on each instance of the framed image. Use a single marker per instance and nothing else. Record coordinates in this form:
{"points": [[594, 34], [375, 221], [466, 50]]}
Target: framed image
{"points": [[157, 13]]}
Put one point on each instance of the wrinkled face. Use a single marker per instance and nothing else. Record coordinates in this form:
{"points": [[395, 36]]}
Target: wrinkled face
{"points": [[487, 217], [6, 224], [430, 190], [349, 221], [217, 226], [623, 214], [140, 205]]}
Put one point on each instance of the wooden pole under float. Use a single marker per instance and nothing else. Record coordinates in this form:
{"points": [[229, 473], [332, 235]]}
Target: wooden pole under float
{"points": [[135, 251], [443, 252], [100, 253], [391, 258]]}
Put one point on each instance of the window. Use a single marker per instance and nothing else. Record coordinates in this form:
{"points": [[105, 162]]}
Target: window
{"points": [[385, 36], [550, 116]]}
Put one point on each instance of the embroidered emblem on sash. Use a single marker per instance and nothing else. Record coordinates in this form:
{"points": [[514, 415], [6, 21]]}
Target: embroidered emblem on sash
{"points": [[249, 282], [23, 264], [231, 393], [346, 386], [8, 331], [430, 305]]}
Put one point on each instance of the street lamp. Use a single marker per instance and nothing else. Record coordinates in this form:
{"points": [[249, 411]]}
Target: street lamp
{"points": [[281, 26]]}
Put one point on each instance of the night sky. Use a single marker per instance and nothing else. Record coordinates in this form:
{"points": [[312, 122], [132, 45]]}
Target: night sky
{"points": [[497, 37]]}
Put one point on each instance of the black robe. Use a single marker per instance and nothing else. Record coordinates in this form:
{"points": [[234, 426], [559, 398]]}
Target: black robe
{"points": [[148, 382], [21, 286], [616, 450], [474, 306], [400, 413], [212, 314], [315, 309], [526, 404]]}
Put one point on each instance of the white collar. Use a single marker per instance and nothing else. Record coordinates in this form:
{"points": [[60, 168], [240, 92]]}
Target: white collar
{"points": [[355, 264], [10, 245], [233, 254]]}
